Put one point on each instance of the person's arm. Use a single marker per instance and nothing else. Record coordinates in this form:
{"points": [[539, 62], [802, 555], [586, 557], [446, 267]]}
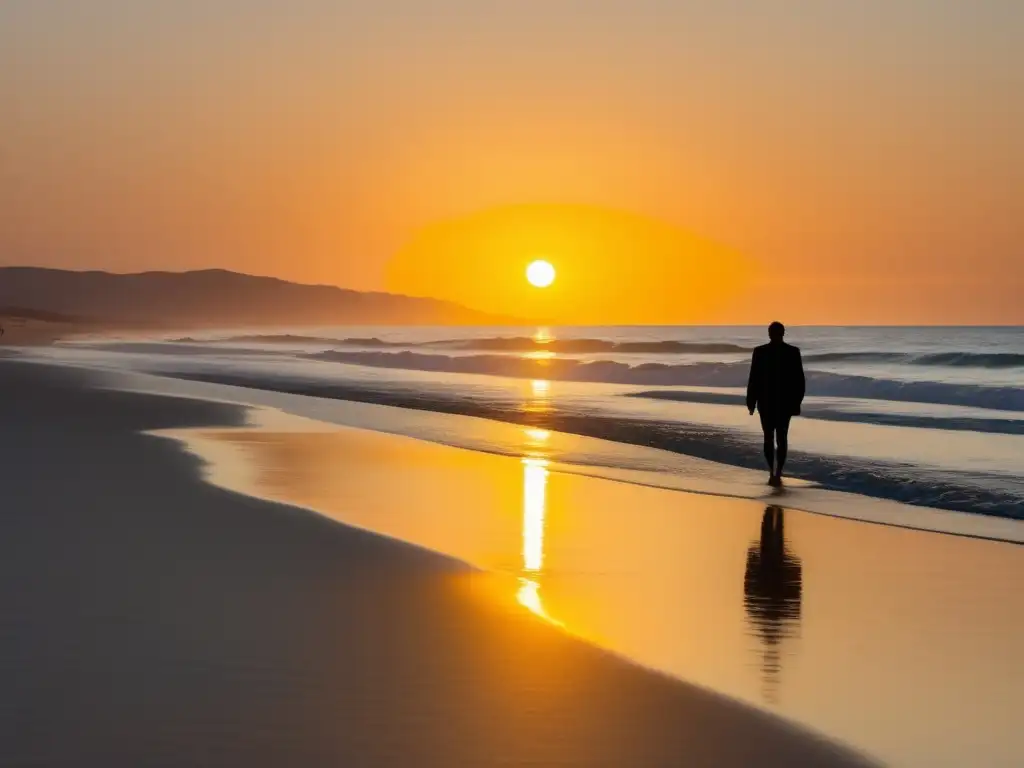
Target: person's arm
{"points": [[801, 382], [752, 383]]}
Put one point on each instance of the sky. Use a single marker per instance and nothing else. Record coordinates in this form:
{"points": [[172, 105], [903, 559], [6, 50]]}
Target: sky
{"points": [[820, 161]]}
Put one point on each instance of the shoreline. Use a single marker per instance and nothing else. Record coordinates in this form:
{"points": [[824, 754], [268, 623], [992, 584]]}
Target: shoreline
{"points": [[155, 618], [294, 460], [431, 426], [914, 466], [720, 437]]}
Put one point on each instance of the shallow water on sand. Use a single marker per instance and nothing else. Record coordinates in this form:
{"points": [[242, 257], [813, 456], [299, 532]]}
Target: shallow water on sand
{"points": [[926, 416], [902, 643]]}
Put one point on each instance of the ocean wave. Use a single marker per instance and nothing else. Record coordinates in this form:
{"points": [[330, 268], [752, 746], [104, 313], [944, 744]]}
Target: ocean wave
{"points": [[181, 348], [584, 346], [998, 360], [496, 344], [274, 338], [527, 344], [821, 383], [973, 493], [857, 357], [824, 412], [973, 359]]}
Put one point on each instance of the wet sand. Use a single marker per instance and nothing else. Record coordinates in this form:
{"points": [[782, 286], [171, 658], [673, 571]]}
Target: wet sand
{"points": [[153, 619], [902, 643]]}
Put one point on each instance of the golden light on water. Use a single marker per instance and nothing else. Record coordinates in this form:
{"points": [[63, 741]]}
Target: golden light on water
{"points": [[537, 400], [535, 481], [538, 435], [535, 489], [539, 354], [529, 597], [541, 337]]}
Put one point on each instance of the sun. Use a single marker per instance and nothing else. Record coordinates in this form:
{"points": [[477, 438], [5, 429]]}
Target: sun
{"points": [[540, 273]]}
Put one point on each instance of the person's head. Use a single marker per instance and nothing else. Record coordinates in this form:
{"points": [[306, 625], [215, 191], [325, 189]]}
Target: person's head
{"points": [[776, 331]]}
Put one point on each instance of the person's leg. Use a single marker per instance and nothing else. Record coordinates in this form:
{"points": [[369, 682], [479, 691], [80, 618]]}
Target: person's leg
{"points": [[768, 427], [782, 435]]}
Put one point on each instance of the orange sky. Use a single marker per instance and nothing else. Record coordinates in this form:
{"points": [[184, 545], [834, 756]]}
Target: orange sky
{"points": [[863, 161]]}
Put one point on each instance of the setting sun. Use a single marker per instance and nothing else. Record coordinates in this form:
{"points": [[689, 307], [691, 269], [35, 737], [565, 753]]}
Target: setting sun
{"points": [[540, 273], [576, 260]]}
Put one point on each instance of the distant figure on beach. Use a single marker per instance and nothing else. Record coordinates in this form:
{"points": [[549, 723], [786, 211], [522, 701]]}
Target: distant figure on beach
{"points": [[776, 390]]}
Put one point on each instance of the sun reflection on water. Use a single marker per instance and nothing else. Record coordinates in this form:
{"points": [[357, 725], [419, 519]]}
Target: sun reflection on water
{"points": [[538, 400], [535, 481], [539, 354], [535, 501], [537, 437], [529, 597], [535, 489]]}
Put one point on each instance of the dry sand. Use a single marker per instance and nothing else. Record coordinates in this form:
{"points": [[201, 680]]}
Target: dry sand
{"points": [[151, 619]]}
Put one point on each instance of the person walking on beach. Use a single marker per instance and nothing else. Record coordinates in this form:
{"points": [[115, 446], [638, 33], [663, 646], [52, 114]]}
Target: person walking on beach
{"points": [[776, 390]]}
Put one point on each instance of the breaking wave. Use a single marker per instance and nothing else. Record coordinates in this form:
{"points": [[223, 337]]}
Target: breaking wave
{"points": [[526, 344], [500, 344], [879, 478], [729, 375], [997, 360]]}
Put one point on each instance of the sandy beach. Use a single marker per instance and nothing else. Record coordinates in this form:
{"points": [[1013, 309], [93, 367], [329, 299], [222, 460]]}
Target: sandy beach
{"points": [[449, 384], [901, 642], [154, 619]]}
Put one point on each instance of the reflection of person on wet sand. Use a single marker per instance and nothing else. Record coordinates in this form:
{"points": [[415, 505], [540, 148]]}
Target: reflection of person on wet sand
{"points": [[772, 589]]}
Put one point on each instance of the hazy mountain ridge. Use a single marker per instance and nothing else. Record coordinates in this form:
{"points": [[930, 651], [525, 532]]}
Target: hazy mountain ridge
{"points": [[215, 297]]}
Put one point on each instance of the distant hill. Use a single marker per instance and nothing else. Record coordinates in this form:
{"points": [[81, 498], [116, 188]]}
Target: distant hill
{"points": [[216, 298]]}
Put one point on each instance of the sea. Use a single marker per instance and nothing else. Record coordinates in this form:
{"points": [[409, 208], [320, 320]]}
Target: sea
{"points": [[926, 417]]}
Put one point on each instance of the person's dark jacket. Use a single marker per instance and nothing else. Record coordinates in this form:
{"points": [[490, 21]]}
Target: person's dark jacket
{"points": [[776, 384]]}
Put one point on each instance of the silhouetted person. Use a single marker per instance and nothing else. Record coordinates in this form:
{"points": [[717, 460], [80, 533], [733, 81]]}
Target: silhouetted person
{"points": [[772, 587], [776, 390]]}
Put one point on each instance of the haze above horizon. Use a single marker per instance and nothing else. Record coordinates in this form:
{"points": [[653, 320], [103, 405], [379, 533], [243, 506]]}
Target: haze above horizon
{"points": [[704, 162]]}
